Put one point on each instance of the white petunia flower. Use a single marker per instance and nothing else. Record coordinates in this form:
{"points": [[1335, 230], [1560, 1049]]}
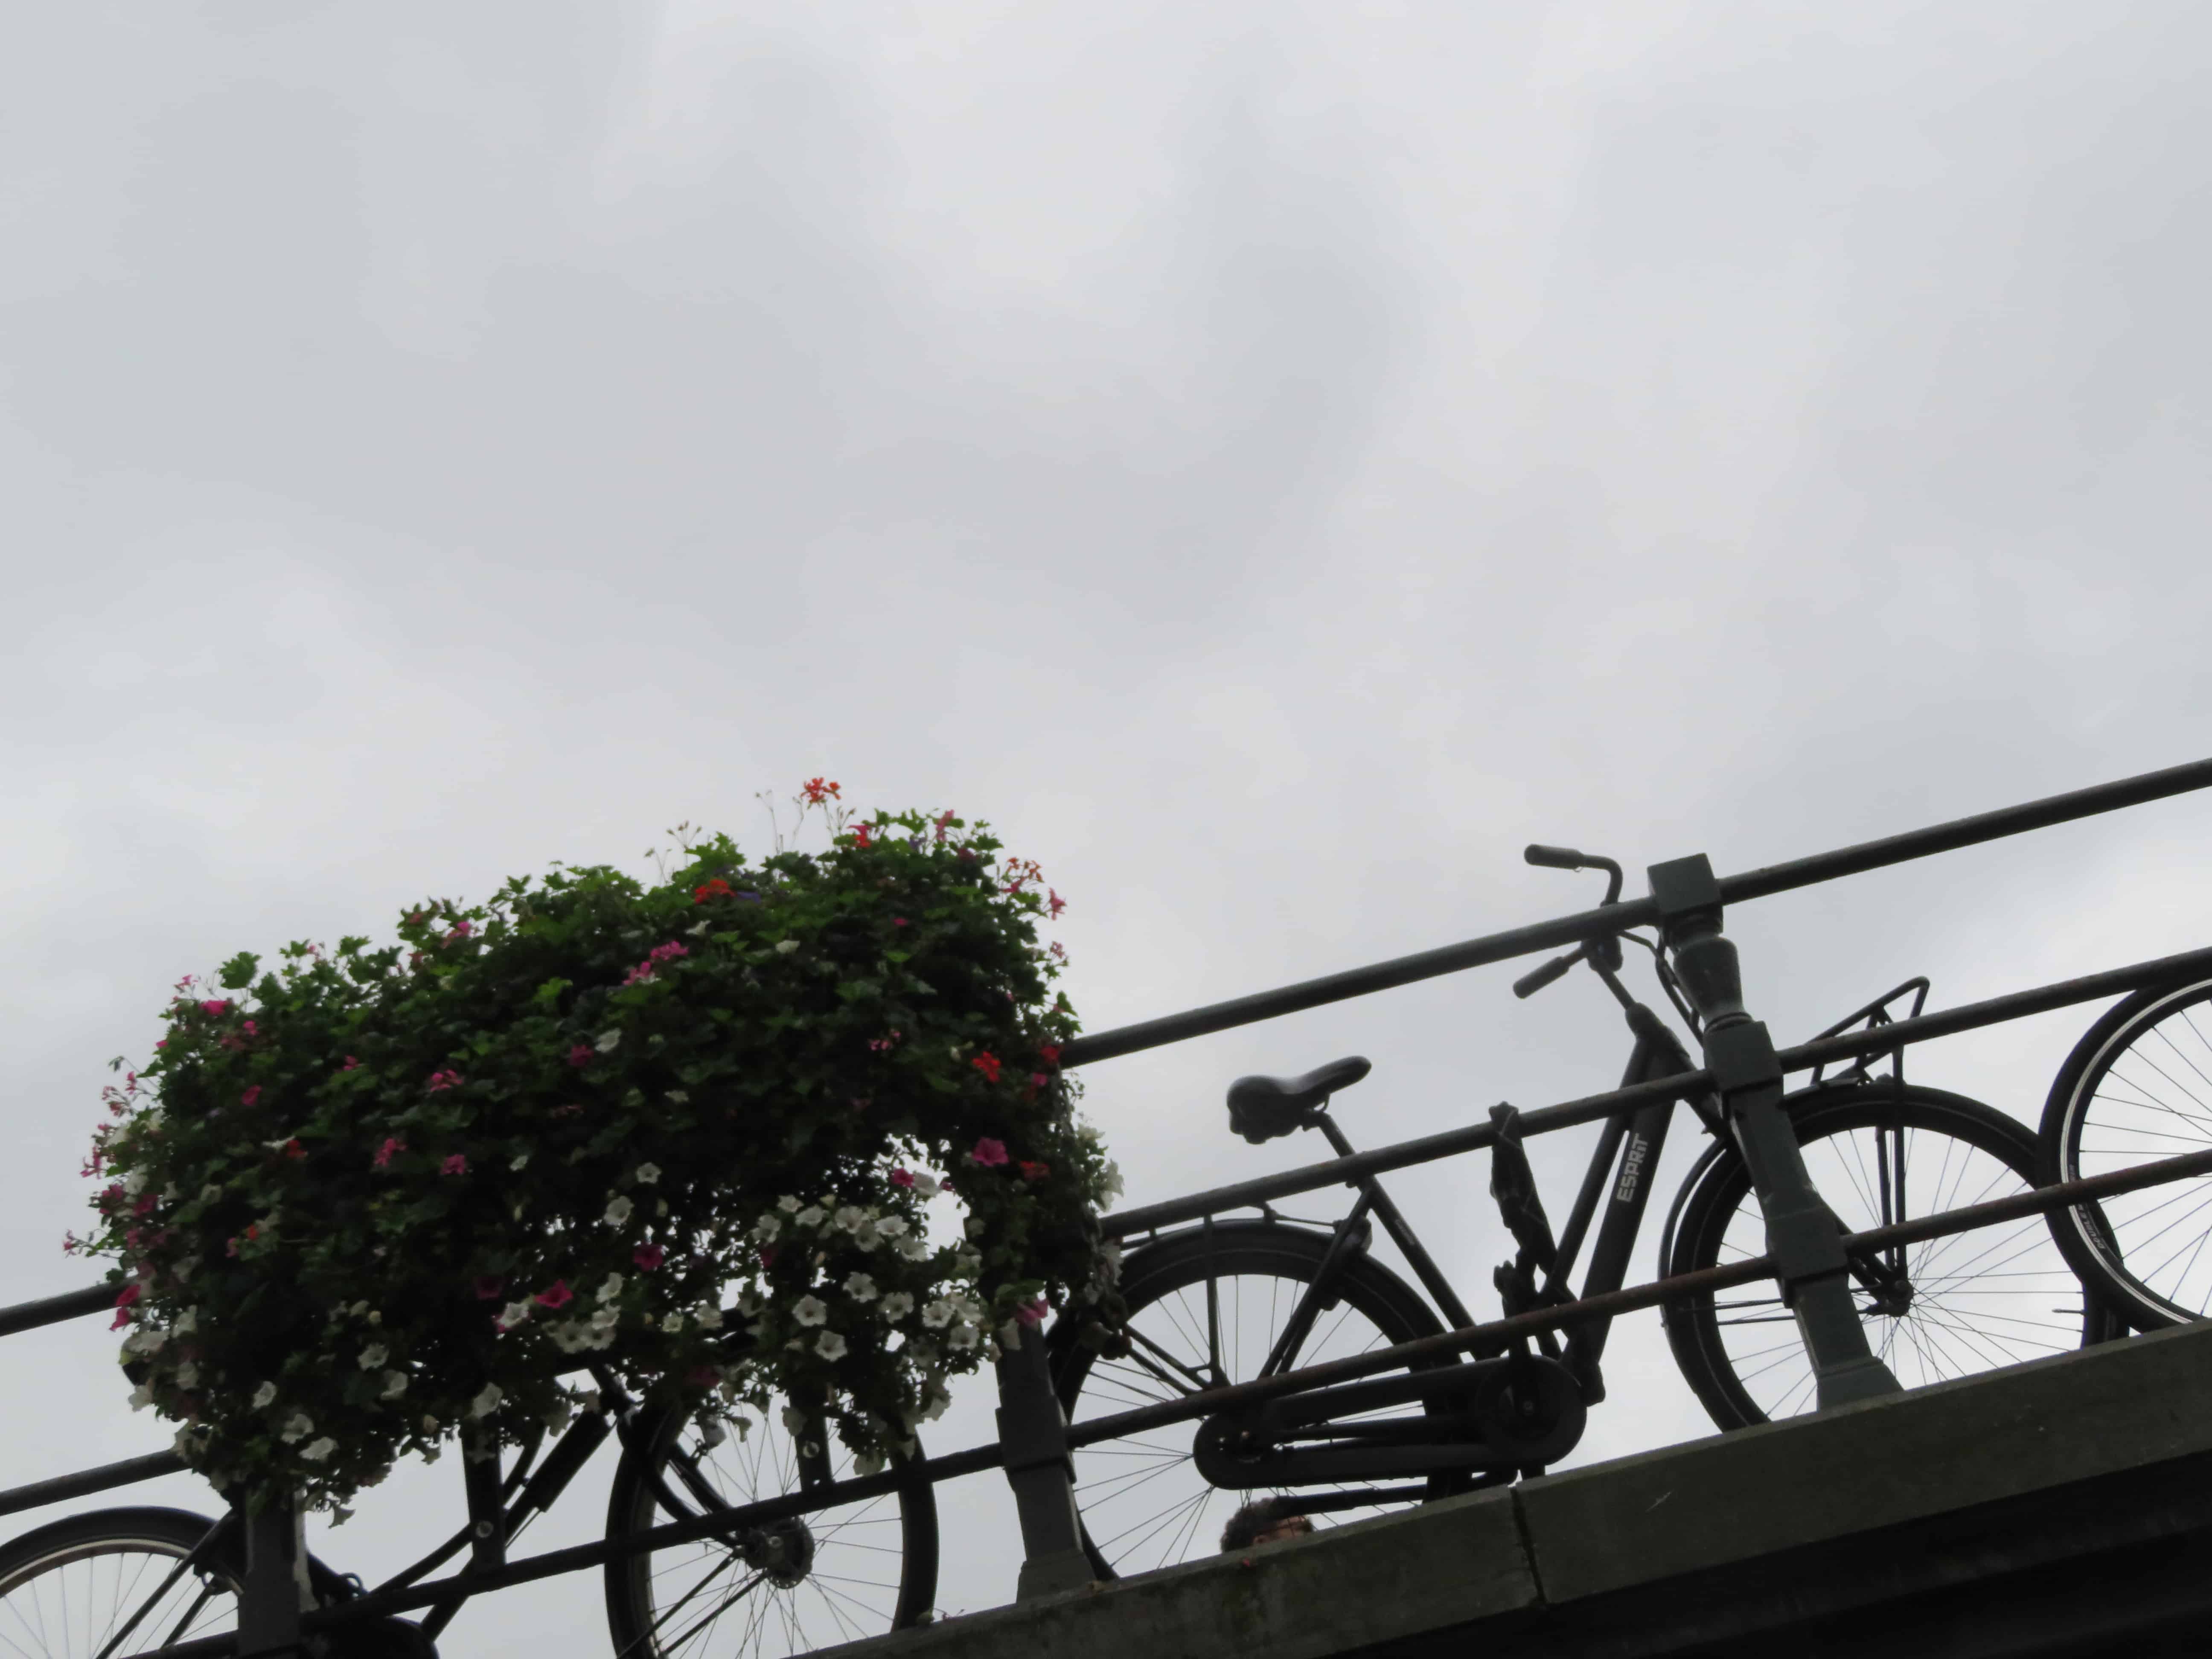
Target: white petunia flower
{"points": [[359, 1310], [606, 1319], [517, 1160], [794, 1421], [892, 1226], [1112, 1186], [897, 1305], [265, 1396], [610, 1290], [925, 1184], [707, 1319], [679, 1097], [848, 1218], [809, 1216], [938, 1314], [142, 1397], [488, 1401], [647, 1174], [135, 1183], [750, 1301], [961, 1336], [188, 1320], [768, 1227], [188, 1374], [788, 1204], [372, 1355], [298, 1426], [607, 1041], [868, 1463], [784, 947], [510, 1316], [316, 1451], [618, 1211], [829, 1345], [810, 1311], [860, 1288], [914, 1248], [673, 1323], [395, 1384]]}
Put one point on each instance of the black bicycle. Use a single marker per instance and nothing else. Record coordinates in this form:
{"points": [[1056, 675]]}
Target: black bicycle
{"points": [[2136, 1088], [1231, 1300], [123, 1581]]}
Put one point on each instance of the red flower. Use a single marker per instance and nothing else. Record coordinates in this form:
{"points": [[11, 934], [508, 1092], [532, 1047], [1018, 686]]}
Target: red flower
{"points": [[898, 922], [988, 1152], [1049, 1053], [902, 1178], [648, 1256], [457, 1164], [860, 833], [1034, 1171], [250, 1095], [715, 889], [488, 1286], [816, 791], [987, 1064], [580, 1054], [130, 1294], [393, 1143], [559, 1295]]}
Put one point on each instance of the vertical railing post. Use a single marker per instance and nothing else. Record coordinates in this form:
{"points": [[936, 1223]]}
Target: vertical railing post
{"points": [[1033, 1431], [275, 1587], [1801, 1233]]}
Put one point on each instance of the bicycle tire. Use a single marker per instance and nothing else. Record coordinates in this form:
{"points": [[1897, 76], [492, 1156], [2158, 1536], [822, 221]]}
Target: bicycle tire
{"points": [[1107, 1485], [787, 1603], [38, 1569], [2138, 1087], [1971, 1306]]}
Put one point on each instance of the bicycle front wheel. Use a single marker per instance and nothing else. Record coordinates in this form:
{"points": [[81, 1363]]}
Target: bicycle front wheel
{"points": [[1207, 1308], [116, 1580], [833, 1574], [1950, 1307], [2136, 1089]]}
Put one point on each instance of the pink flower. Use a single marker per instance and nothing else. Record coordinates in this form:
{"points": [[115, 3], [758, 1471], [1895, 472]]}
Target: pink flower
{"points": [[461, 929], [446, 1080], [1031, 1313], [215, 1010], [988, 1152], [902, 1177], [250, 1095], [488, 1286], [580, 1054], [860, 833], [667, 952], [898, 922], [1054, 904], [457, 1164], [351, 1065], [1038, 1079], [648, 1256], [558, 1295], [384, 1152]]}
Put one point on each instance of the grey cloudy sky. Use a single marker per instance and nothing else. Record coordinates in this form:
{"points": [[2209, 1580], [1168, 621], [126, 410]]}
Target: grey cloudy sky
{"points": [[1273, 460]]}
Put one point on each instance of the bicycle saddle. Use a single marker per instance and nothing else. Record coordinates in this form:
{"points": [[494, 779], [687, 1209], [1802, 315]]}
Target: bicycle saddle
{"points": [[1263, 1108]]}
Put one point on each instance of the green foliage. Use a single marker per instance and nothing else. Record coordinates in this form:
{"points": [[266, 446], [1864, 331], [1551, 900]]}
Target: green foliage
{"points": [[685, 1133]]}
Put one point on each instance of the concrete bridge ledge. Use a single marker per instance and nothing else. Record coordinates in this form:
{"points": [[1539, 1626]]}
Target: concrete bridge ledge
{"points": [[2059, 1508]]}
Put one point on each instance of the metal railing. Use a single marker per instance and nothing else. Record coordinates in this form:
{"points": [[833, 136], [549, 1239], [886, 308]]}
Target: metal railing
{"points": [[1741, 1067]]}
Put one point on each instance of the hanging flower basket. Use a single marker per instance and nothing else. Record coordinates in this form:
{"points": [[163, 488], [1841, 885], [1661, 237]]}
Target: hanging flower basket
{"points": [[691, 1130]]}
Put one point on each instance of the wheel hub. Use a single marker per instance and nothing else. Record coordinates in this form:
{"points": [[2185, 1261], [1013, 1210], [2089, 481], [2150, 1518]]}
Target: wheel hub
{"points": [[783, 1550]]}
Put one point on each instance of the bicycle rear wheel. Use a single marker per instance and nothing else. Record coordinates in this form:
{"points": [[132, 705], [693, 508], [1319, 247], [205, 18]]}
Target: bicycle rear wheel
{"points": [[834, 1575], [2138, 1088], [1965, 1302], [1205, 1311]]}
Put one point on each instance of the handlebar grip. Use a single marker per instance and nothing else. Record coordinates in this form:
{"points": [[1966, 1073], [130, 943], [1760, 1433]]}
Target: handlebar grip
{"points": [[1554, 858], [1537, 978]]}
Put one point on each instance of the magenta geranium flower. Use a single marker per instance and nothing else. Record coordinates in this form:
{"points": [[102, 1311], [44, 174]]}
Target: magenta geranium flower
{"points": [[648, 1256], [557, 1295], [393, 1144], [457, 1164], [902, 1177], [580, 1054], [988, 1152]]}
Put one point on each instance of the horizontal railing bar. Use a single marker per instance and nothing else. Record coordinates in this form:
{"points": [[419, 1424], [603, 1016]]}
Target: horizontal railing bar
{"points": [[1633, 913], [1450, 1143], [553, 1562], [1611, 1303], [62, 1488], [52, 1309]]}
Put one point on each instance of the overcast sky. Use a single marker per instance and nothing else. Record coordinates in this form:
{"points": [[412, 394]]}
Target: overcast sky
{"points": [[1273, 461]]}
